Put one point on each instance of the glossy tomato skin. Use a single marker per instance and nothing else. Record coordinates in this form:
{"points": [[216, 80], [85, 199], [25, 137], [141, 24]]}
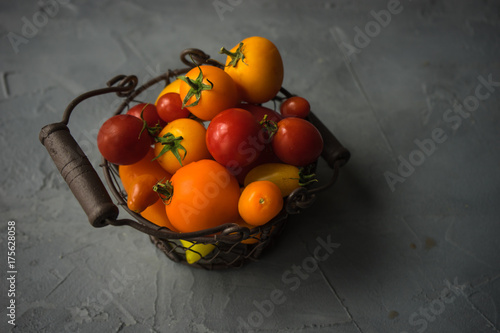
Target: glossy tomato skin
{"points": [[141, 195], [260, 202], [260, 75], [234, 139], [223, 95], [193, 135], [295, 106], [297, 142], [149, 114], [120, 140], [147, 166], [170, 108], [205, 195], [285, 176]]}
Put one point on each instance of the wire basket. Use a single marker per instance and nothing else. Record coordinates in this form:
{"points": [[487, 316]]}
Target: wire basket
{"points": [[231, 245]]}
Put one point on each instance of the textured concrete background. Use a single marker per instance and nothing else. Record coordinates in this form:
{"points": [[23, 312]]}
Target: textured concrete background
{"points": [[411, 88]]}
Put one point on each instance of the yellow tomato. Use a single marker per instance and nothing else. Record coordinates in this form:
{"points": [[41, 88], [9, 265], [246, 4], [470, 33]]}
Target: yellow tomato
{"points": [[173, 86], [256, 67], [211, 91], [183, 141], [285, 176]]}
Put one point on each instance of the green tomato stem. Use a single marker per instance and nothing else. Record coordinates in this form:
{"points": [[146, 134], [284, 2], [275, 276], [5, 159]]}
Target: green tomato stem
{"points": [[235, 56], [165, 190], [196, 88], [173, 144]]}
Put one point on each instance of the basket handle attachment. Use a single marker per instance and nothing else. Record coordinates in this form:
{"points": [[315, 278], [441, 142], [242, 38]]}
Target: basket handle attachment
{"points": [[73, 164], [334, 153]]}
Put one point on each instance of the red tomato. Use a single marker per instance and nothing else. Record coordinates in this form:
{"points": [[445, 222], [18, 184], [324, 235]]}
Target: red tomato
{"points": [[122, 140], [295, 106], [297, 141], [233, 138], [149, 114], [170, 108]]}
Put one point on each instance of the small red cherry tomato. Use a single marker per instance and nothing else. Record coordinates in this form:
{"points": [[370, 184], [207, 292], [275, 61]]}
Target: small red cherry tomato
{"points": [[122, 139], [170, 108], [295, 106], [149, 114]]}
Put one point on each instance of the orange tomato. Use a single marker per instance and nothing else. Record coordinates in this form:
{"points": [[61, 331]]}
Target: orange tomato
{"points": [[256, 67], [141, 195], [128, 173], [173, 86], [205, 195], [222, 95], [191, 136], [259, 202]]}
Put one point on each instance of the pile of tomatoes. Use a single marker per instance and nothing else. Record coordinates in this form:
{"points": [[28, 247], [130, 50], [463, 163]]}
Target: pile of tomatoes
{"points": [[207, 152]]}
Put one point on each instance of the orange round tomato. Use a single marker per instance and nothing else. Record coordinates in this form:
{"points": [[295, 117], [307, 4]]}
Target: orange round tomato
{"points": [[141, 195], [181, 142], [172, 87], [256, 67], [216, 91], [259, 202], [203, 195]]}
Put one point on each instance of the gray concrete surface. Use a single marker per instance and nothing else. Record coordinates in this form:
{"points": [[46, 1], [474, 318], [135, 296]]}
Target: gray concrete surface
{"points": [[411, 88]]}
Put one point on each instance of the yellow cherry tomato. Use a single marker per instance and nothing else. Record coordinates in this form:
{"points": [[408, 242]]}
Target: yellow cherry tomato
{"points": [[181, 142], [256, 67], [285, 176], [259, 202]]}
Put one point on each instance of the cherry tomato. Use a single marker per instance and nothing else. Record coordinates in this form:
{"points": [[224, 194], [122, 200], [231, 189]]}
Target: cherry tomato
{"points": [[295, 106], [217, 91], [233, 138], [149, 114], [256, 67], [170, 108], [174, 86], [260, 202], [203, 195], [285, 176], [297, 141], [184, 142], [141, 195], [122, 140]]}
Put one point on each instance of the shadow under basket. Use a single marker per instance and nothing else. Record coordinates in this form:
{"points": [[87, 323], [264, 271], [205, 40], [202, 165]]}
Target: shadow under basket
{"points": [[225, 246]]}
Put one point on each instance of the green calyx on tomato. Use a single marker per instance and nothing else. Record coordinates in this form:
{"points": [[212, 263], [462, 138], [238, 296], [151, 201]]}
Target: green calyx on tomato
{"points": [[173, 144], [235, 56], [165, 190], [197, 86], [153, 131], [306, 177], [271, 127]]}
